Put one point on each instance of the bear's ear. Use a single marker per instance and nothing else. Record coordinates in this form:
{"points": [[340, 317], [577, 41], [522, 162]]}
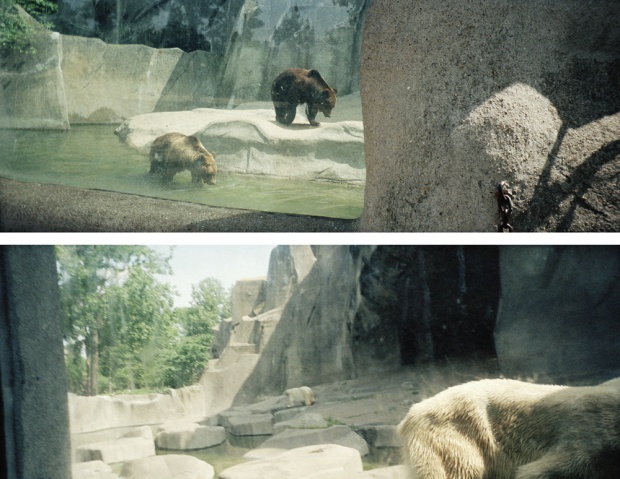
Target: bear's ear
{"points": [[213, 154], [316, 75], [324, 95], [335, 91]]}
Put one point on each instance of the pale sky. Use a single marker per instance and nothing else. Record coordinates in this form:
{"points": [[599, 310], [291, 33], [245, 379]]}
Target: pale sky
{"points": [[192, 264]]}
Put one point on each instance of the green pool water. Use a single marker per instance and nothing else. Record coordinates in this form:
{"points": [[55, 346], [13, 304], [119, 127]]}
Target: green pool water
{"points": [[91, 156]]}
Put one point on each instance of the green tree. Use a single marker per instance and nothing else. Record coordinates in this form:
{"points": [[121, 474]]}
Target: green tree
{"points": [[114, 309], [15, 31], [209, 305]]}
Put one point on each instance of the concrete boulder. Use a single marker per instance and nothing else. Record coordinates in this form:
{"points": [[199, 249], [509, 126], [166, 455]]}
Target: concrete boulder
{"points": [[392, 472], [341, 435], [302, 421], [92, 470], [325, 461], [118, 450], [251, 142], [249, 424], [380, 436], [170, 466], [182, 435]]}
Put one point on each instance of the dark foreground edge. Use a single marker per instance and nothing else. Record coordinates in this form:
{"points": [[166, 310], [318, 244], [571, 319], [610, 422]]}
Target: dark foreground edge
{"points": [[35, 207]]}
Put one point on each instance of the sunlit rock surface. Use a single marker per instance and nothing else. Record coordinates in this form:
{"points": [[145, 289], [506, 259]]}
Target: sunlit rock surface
{"points": [[170, 466], [187, 435], [325, 461], [293, 438], [33, 90], [459, 96], [96, 413], [92, 470], [252, 142], [134, 445]]}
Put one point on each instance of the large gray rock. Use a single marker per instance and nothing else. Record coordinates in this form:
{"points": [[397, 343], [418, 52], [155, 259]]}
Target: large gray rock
{"points": [[97, 413], [301, 421], [325, 461], [92, 470], [184, 435], [224, 377], [459, 96], [246, 295], [240, 424], [380, 435], [33, 92], [392, 472], [558, 319], [110, 83], [251, 142], [288, 267], [169, 466], [341, 435], [118, 450]]}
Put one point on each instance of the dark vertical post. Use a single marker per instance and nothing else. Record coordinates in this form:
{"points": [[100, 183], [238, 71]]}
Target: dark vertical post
{"points": [[32, 373]]}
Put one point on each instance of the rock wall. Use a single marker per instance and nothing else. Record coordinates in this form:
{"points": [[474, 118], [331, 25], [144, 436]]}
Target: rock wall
{"points": [[364, 310], [72, 80], [545, 313], [238, 48], [558, 316], [89, 414], [273, 35], [458, 96], [257, 308], [110, 83], [33, 92]]}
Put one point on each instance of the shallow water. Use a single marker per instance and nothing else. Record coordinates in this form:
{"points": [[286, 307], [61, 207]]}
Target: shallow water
{"points": [[91, 156]]}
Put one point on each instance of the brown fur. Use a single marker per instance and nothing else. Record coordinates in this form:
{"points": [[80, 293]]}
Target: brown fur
{"points": [[297, 86], [174, 152]]}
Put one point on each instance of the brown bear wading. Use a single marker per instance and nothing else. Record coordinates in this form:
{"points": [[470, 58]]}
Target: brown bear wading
{"points": [[297, 86], [174, 152]]}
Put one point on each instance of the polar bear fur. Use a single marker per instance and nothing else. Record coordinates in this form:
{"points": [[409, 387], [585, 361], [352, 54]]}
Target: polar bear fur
{"points": [[301, 396], [505, 429]]}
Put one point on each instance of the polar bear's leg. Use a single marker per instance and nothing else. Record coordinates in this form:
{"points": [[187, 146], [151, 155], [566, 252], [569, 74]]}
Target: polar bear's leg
{"points": [[550, 466]]}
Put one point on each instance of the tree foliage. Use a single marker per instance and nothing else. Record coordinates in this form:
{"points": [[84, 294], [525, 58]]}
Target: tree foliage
{"points": [[210, 304], [121, 330], [15, 31]]}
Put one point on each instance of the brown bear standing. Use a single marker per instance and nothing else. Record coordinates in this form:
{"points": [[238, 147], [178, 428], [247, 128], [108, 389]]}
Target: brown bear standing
{"points": [[296, 86], [174, 152]]}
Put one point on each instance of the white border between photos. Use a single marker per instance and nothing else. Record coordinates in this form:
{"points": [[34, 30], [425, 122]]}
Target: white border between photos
{"points": [[312, 238]]}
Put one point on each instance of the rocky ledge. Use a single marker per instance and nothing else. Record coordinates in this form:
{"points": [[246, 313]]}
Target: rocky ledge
{"points": [[250, 141]]}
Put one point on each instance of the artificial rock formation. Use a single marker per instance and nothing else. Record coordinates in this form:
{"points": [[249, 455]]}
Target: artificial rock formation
{"points": [[558, 316], [460, 96], [251, 142], [365, 310]]}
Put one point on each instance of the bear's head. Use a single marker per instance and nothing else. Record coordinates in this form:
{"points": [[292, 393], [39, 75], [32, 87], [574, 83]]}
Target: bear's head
{"points": [[207, 168], [327, 101]]}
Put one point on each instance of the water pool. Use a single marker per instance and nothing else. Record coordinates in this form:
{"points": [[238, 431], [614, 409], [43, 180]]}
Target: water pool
{"points": [[91, 156]]}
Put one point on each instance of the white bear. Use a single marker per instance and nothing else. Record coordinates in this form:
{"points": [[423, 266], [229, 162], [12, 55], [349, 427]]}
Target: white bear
{"points": [[506, 429], [301, 396]]}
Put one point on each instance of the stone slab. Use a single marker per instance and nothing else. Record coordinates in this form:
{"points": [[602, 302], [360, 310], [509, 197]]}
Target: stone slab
{"points": [[325, 461]]}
